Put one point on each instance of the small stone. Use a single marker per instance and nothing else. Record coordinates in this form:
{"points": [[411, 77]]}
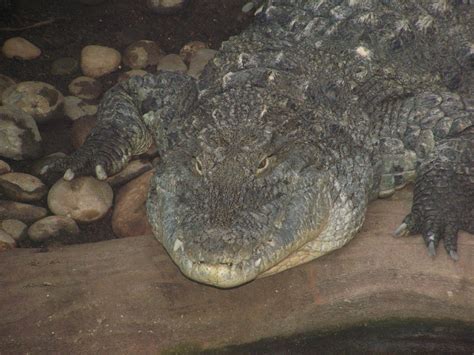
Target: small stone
{"points": [[85, 88], [134, 72], [4, 167], [190, 49], [75, 108], [64, 66], [40, 100], [166, 7], [19, 135], [53, 227], [97, 61], [84, 199], [6, 241], [142, 54], [172, 62], [21, 211], [38, 165], [129, 218], [81, 129], [22, 187], [199, 60], [5, 82], [18, 47], [132, 170], [15, 228]]}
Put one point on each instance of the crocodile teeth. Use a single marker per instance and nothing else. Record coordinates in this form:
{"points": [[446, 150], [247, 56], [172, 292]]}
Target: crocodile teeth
{"points": [[178, 244]]}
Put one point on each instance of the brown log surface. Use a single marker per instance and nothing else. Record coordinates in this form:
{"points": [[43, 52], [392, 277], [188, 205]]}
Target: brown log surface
{"points": [[126, 296]]}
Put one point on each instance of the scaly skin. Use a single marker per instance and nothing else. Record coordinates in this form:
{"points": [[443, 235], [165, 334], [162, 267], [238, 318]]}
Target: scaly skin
{"points": [[270, 159]]}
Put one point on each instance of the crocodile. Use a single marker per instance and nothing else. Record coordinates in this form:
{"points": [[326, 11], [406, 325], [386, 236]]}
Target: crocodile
{"points": [[270, 159]]}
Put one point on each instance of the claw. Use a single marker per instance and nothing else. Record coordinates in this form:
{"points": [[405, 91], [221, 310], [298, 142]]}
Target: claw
{"points": [[44, 169], [100, 172], [401, 231], [431, 248], [68, 175], [454, 255]]}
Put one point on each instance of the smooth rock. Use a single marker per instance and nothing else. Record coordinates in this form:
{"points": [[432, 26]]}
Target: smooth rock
{"points": [[18, 47], [166, 7], [172, 62], [131, 171], [4, 167], [19, 135], [39, 164], [199, 60], [41, 100], [75, 108], [6, 241], [84, 199], [142, 54], [85, 88], [127, 75], [15, 228], [22, 187], [64, 66], [129, 218], [53, 227], [21, 211], [5, 82], [190, 49], [97, 61], [81, 129]]}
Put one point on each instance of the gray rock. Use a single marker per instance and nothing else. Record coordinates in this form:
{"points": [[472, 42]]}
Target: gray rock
{"points": [[97, 61], [41, 100], [21, 211], [53, 227], [15, 228], [6, 241], [85, 88], [5, 82], [18, 47], [199, 60], [22, 187], [75, 107], [19, 134], [172, 62], [84, 199], [190, 49], [4, 167], [64, 66], [142, 54]]}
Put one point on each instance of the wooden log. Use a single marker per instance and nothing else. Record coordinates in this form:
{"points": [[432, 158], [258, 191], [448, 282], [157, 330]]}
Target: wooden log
{"points": [[126, 296]]}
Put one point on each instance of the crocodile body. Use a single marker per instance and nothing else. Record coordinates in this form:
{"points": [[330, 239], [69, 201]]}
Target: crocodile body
{"points": [[271, 158]]}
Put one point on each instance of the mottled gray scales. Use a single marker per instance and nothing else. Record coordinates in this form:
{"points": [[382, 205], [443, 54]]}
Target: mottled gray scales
{"points": [[270, 159]]}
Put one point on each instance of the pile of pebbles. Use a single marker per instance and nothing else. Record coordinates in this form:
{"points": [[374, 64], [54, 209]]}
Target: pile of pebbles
{"points": [[31, 211]]}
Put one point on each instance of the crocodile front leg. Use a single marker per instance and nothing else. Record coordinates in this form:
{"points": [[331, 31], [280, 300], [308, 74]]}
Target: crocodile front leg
{"points": [[130, 115], [443, 201]]}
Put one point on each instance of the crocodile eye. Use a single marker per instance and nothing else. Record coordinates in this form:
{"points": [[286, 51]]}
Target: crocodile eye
{"points": [[198, 166], [263, 165]]}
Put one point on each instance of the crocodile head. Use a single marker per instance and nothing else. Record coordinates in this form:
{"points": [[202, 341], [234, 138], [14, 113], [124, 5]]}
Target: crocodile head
{"points": [[241, 195]]}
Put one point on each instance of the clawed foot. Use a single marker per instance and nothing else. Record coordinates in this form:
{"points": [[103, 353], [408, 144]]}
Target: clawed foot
{"points": [[432, 236], [80, 163]]}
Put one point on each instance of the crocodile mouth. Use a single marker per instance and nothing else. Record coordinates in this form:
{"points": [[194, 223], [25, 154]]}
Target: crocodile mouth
{"points": [[287, 233]]}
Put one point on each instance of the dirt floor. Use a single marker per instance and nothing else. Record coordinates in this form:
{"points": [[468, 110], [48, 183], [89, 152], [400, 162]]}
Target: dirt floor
{"points": [[113, 23]]}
